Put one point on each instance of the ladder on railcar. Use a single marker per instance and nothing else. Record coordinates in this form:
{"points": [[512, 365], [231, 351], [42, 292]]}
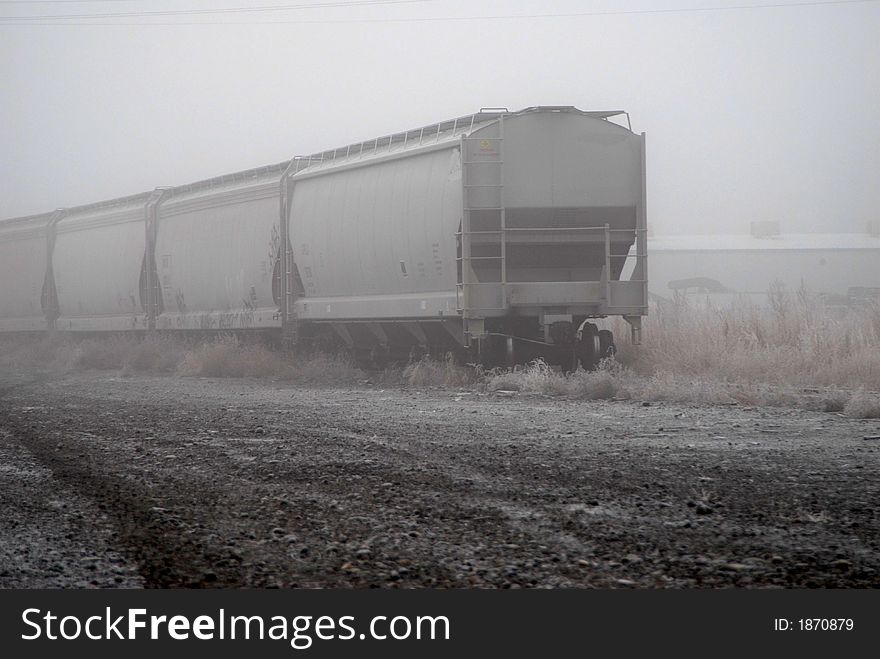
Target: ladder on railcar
{"points": [[483, 204]]}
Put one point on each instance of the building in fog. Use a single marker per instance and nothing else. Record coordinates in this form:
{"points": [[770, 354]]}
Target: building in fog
{"points": [[842, 268]]}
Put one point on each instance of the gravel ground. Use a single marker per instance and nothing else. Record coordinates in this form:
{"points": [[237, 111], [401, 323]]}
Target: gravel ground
{"points": [[114, 481]]}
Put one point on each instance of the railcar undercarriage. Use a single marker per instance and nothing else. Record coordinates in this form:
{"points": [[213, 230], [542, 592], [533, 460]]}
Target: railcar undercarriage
{"points": [[568, 344]]}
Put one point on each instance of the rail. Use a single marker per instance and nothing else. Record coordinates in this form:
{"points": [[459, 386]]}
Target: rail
{"points": [[422, 135], [235, 177]]}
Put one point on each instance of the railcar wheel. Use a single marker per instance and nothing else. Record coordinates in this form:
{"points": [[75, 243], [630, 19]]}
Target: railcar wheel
{"points": [[606, 344], [588, 346]]}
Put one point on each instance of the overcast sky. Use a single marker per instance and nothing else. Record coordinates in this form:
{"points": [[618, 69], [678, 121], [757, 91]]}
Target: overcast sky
{"points": [[751, 114]]}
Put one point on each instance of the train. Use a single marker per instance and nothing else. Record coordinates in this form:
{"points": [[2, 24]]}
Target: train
{"points": [[499, 236]]}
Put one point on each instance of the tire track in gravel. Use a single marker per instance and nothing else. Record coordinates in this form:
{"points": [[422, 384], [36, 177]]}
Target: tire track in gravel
{"points": [[166, 555], [50, 536], [172, 549]]}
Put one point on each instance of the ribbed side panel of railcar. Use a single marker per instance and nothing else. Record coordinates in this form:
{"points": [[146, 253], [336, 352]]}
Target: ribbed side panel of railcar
{"points": [[22, 273], [97, 262], [217, 254], [377, 240]]}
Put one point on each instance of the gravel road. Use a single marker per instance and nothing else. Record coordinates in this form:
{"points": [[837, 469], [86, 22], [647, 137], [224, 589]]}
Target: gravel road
{"points": [[112, 481]]}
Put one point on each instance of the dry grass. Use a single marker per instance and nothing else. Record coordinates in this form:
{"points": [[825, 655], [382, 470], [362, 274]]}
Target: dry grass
{"points": [[613, 380], [229, 357], [154, 354], [796, 342], [62, 353], [796, 353], [52, 353], [225, 356], [540, 378], [324, 370], [103, 354], [429, 372], [863, 405]]}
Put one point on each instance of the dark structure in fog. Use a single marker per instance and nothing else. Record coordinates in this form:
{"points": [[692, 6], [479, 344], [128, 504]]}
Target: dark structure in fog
{"points": [[842, 268]]}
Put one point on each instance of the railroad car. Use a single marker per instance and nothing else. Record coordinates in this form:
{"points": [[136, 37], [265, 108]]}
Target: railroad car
{"points": [[498, 235]]}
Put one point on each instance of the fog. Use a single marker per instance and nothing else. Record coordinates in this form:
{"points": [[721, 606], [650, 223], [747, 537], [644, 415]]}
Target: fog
{"points": [[752, 113]]}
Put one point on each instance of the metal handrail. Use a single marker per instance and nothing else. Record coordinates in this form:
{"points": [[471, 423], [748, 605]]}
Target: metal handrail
{"points": [[437, 129], [244, 175], [464, 123], [610, 230], [539, 229]]}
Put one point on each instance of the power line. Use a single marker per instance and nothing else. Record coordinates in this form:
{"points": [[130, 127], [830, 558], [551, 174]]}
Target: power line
{"points": [[64, 2], [224, 10], [61, 2], [433, 19]]}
